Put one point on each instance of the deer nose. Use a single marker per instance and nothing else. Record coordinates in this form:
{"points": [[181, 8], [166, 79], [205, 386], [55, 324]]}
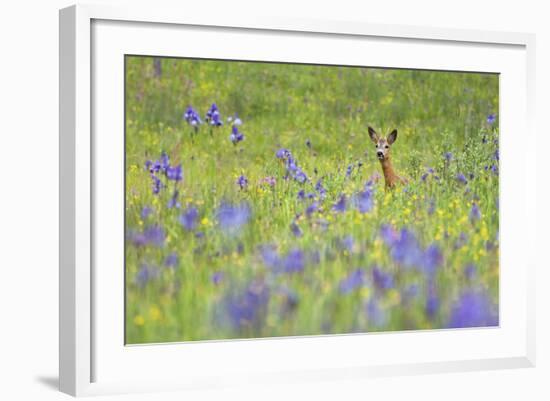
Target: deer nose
{"points": [[379, 153]]}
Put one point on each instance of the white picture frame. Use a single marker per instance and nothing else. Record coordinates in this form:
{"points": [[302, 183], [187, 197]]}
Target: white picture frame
{"points": [[92, 38]]}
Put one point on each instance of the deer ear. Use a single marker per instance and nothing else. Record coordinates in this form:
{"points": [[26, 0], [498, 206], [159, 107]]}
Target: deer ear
{"points": [[392, 136], [373, 135]]}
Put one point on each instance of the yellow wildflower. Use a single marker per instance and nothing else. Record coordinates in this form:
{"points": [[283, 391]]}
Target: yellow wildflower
{"points": [[139, 320], [154, 312]]}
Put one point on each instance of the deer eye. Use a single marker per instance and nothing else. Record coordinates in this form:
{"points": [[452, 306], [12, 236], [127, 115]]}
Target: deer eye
{"points": [[387, 146]]}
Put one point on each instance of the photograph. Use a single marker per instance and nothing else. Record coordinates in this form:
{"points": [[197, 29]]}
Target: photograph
{"points": [[276, 199]]}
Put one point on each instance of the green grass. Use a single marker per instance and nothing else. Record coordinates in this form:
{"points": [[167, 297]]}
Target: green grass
{"points": [[283, 106]]}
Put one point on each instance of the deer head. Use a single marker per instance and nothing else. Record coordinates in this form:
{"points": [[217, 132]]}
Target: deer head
{"points": [[383, 145]]}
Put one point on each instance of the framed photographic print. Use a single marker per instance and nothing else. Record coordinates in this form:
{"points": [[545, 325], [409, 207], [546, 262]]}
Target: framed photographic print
{"points": [[270, 200]]}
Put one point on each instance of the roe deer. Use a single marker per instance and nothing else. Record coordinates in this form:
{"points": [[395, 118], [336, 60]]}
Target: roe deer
{"points": [[383, 146]]}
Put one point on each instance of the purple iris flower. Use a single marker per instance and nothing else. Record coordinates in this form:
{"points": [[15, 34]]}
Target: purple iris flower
{"points": [[376, 316], [174, 173], [365, 200], [171, 260], [311, 209], [233, 217], [217, 277], [154, 167], [349, 170], [152, 235], [146, 212], [475, 213], [382, 279], [461, 241], [188, 219], [432, 259], [461, 178], [164, 161], [236, 136], [282, 154], [157, 184], [296, 230], [192, 117], [389, 235], [406, 249], [213, 116], [270, 257], [300, 176], [216, 120], [347, 243], [429, 172], [473, 309], [242, 182], [432, 303], [234, 119], [491, 118], [321, 189], [340, 205], [173, 201], [448, 156], [291, 165], [354, 280], [294, 261], [470, 271], [409, 292], [145, 274], [247, 309]]}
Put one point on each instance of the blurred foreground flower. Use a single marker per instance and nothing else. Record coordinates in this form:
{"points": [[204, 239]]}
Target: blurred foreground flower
{"points": [[354, 280], [340, 205], [475, 213], [217, 277], [171, 260], [376, 316], [381, 279], [246, 309], [188, 219], [152, 235], [146, 212], [145, 274], [232, 218], [473, 309]]}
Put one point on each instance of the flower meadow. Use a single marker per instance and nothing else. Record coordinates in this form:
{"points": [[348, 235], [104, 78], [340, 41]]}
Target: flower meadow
{"points": [[255, 204]]}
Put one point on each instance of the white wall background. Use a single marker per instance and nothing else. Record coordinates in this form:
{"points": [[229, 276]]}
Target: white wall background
{"points": [[29, 200]]}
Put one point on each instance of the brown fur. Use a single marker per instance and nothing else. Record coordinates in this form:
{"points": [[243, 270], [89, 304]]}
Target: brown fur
{"points": [[383, 146], [390, 176]]}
